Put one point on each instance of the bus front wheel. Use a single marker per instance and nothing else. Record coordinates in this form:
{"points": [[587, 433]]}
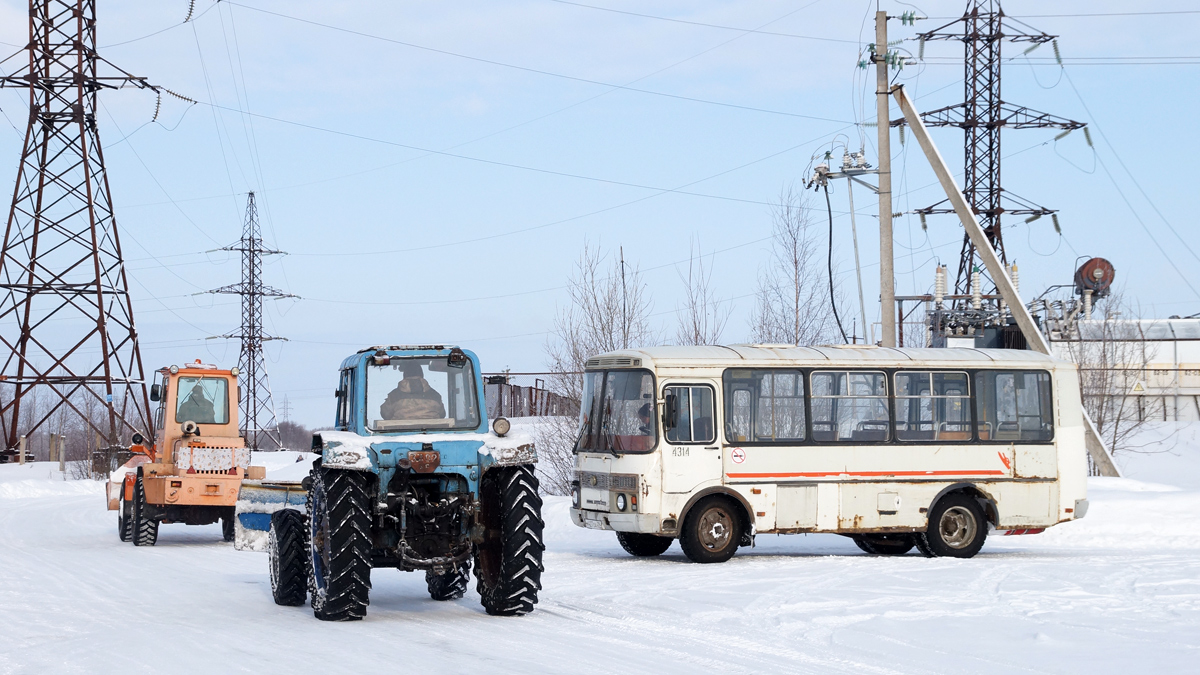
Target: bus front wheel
{"points": [[643, 545], [957, 528], [711, 531]]}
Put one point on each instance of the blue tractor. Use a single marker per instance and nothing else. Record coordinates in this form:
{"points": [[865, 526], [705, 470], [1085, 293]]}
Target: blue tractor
{"points": [[410, 478]]}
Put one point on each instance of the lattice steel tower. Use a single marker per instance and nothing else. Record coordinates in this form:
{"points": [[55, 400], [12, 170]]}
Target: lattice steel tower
{"points": [[981, 116], [66, 319], [259, 427]]}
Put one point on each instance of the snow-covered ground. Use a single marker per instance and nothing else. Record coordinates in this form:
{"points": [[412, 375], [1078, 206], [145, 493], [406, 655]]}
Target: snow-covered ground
{"points": [[1116, 592]]}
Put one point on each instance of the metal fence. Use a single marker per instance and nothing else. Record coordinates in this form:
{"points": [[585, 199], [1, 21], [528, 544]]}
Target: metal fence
{"points": [[505, 399]]}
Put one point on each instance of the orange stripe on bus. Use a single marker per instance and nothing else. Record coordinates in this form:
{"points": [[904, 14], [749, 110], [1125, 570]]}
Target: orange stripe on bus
{"points": [[820, 474]]}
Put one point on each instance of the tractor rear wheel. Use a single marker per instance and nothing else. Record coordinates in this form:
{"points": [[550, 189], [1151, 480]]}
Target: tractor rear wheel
{"points": [[125, 519], [145, 527], [288, 558], [339, 544], [228, 530], [451, 584], [508, 563]]}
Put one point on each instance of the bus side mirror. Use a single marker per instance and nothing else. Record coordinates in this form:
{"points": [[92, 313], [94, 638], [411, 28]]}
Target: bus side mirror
{"points": [[155, 392], [670, 411]]}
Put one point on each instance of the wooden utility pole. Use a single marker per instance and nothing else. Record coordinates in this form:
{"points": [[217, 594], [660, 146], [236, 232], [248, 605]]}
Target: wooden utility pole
{"points": [[887, 290]]}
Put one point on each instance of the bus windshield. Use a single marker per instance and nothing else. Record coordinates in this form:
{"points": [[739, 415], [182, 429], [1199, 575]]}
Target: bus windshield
{"points": [[617, 412]]}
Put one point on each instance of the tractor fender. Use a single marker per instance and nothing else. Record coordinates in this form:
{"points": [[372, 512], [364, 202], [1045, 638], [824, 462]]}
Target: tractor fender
{"points": [[506, 454], [344, 450]]}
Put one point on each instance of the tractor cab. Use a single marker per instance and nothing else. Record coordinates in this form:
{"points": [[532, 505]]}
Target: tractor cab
{"points": [[197, 406]]}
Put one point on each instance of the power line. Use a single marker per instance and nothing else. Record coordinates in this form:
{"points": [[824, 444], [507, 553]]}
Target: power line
{"points": [[710, 25], [1082, 15], [536, 70], [161, 30]]}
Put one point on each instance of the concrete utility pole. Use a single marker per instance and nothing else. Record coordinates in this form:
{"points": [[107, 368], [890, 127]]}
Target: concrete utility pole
{"points": [[887, 290], [991, 259]]}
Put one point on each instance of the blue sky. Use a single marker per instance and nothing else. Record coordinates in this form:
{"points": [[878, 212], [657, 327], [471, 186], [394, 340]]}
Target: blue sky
{"points": [[534, 152]]}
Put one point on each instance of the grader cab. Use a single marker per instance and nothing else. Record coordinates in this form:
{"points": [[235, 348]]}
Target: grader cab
{"points": [[192, 469]]}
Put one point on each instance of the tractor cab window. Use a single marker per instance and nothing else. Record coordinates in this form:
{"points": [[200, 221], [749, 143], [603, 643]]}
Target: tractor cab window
{"points": [[203, 400], [160, 414], [420, 394]]}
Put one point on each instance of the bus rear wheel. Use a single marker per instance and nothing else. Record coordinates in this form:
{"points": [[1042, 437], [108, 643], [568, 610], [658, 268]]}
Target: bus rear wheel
{"points": [[957, 528], [643, 545], [711, 531]]}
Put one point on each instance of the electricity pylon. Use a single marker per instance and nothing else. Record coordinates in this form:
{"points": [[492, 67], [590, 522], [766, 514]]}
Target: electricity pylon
{"points": [[982, 115], [259, 426], [66, 318]]}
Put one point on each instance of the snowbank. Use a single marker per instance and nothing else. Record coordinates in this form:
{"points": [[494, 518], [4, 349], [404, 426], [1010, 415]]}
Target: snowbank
{"points": [[284, 466], [42, 479], [1164, 452]]}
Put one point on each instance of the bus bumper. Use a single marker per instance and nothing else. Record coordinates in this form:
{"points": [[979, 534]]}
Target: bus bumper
{"points": [[621, 522]]}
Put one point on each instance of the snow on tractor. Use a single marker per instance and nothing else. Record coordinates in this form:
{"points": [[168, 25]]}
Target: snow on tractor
{"points": [[411, 478], [192, 470]]}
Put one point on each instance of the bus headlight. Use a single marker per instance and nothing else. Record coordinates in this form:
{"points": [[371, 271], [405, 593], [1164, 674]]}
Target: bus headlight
{"points": [[622, 502], [575, 495]]}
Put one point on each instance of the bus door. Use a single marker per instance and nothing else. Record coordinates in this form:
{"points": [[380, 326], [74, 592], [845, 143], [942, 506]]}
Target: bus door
{"points": [[1015, 417], [690, 452], [765, 422]]}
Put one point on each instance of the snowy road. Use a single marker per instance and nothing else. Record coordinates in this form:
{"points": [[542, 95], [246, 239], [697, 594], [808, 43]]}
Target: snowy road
{"points": [[1115, 592]]}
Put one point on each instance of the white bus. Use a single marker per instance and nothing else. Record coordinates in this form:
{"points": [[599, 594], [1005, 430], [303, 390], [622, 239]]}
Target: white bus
{"points": [[895, 448]]}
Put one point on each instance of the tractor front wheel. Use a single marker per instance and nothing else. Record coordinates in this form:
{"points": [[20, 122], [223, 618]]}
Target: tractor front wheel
{"points": [[125, 519], [508, 563], [228, 529], [288, 558], [451, 584], [145, 527], [339, 544]]}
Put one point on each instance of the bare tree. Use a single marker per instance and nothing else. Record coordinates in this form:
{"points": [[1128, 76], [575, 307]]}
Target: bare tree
{"points": [[702, 316], [792, 304], [294, 436], [609, 310], [1114, 358]]}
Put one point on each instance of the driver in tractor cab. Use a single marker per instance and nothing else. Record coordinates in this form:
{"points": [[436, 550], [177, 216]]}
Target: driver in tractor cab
{"points": [[197, 408], [413, 398]]}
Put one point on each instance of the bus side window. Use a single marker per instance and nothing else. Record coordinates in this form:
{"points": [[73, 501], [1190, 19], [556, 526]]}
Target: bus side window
{"points": [[850, 406], [737, 416], [764, 405], [1014, 406], [932, 406], [693, 421]]}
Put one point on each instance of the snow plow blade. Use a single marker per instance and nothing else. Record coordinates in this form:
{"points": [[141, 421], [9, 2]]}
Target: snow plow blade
{"points": [[257, 500]]}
